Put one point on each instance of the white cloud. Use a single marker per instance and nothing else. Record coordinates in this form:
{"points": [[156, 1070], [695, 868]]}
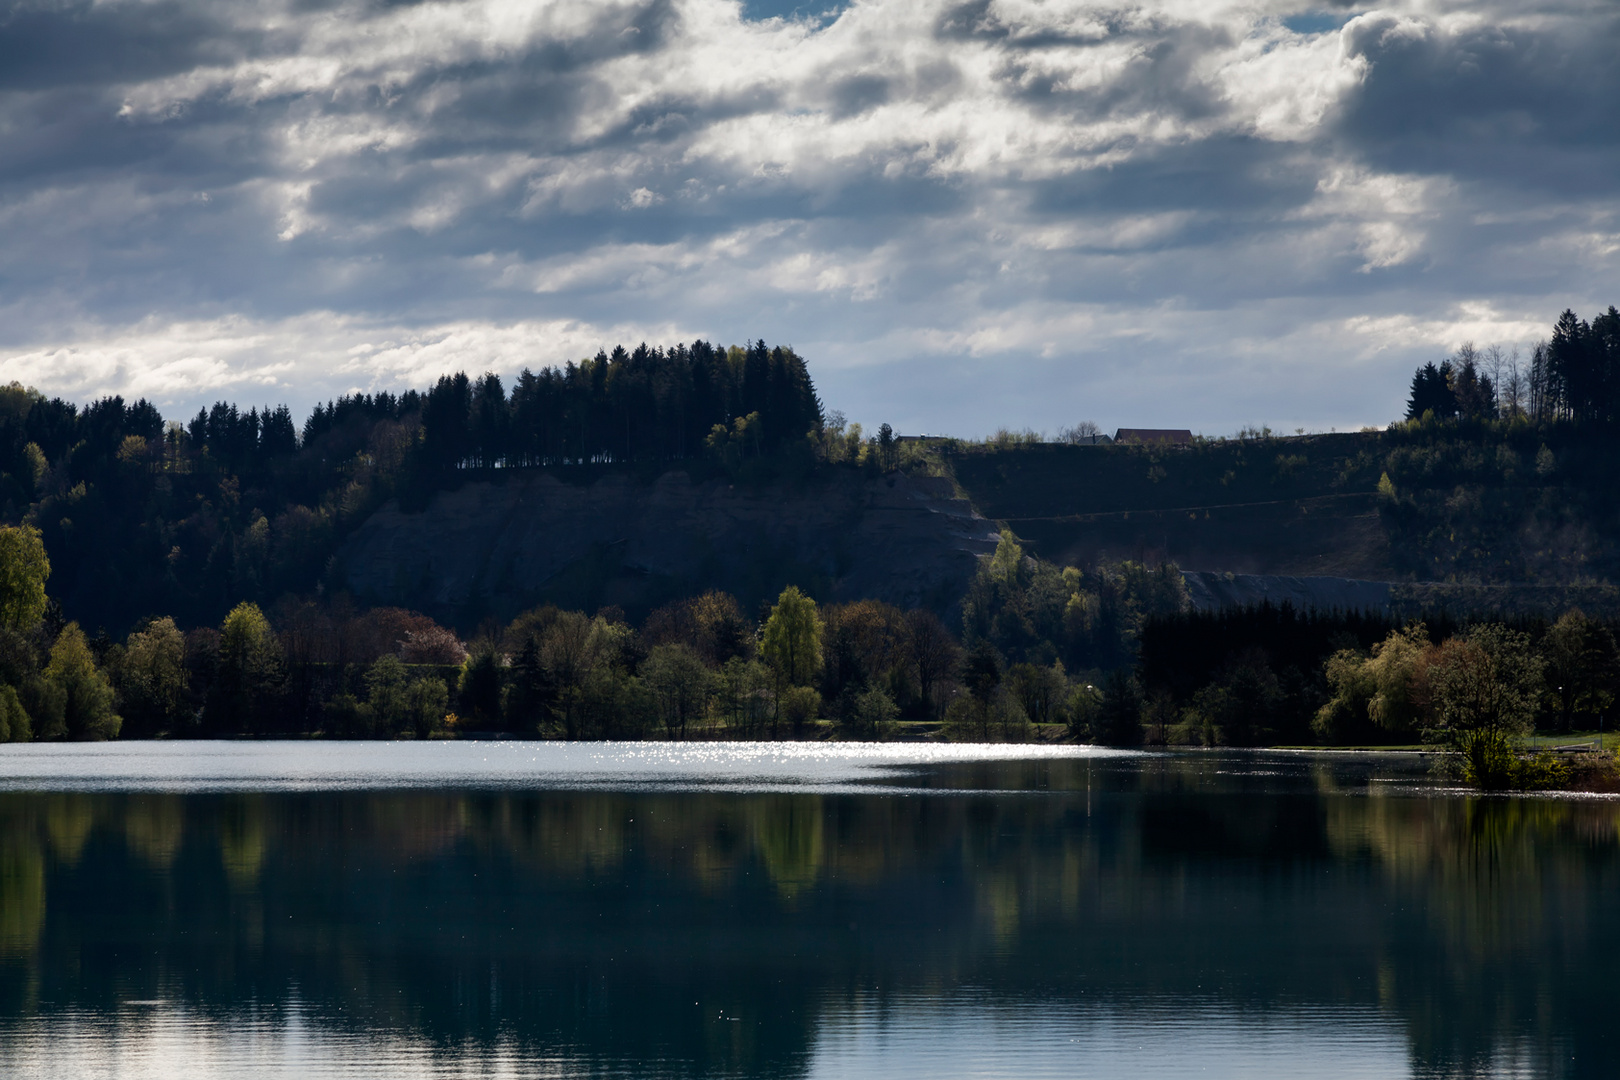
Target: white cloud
{"points": [[940, 200]]}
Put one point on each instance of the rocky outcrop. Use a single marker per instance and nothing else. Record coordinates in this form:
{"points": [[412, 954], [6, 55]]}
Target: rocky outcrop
{"points": [[494, 548]]}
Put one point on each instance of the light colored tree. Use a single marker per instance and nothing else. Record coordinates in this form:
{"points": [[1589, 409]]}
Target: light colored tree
{"points": [[151, 675], [24, 569], [1377, 688], [15, 723], [249, 672], [1007, 559], [78, 699], [791, 643]]}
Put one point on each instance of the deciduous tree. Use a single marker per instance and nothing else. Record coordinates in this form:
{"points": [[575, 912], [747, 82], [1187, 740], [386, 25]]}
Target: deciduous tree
{"points": [[24, 569]]}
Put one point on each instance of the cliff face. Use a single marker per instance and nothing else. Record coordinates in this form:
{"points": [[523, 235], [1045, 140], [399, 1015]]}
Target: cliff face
{"points": [[493, 549]]}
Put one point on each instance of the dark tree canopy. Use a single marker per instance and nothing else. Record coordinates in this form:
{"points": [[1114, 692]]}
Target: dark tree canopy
{"points": [[647, 404], [1431, 392], [143, 517]]}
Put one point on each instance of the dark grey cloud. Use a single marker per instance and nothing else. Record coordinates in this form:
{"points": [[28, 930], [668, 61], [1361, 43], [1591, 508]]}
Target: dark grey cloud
{"points": [[45, 45], [1525, 106]]}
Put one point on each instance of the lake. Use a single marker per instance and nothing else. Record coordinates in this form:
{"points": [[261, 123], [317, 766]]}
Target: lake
{"points": [[520, 909]]}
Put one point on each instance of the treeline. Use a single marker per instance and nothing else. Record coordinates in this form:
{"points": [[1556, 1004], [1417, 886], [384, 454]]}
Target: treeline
{"points": [[1267, 675], [697, 668], [144, 515], [648, 404], [1113, 655], [1572, 375]]}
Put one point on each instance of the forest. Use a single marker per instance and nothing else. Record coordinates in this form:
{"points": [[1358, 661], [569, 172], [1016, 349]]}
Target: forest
{"points": [[200, 553], [143, 515]]}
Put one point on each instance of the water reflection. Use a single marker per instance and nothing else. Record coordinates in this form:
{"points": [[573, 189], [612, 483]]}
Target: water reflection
{"points": [[1202, 914]]}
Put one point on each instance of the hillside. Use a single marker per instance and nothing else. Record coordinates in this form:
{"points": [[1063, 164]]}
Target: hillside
{"points": [[494, 548], [1487, 503]]}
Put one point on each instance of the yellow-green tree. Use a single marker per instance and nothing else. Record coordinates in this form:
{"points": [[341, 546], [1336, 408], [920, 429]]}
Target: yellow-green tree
{"points": [[15, 724], [76, 698], [248, 680], [23, 570], [152, 679], [791, 644], [791, 648], [1376, 689]]}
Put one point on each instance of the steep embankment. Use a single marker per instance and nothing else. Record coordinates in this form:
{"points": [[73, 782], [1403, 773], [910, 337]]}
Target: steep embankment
{"points": [[494, 548], [1486, 504], [1272, 507]]}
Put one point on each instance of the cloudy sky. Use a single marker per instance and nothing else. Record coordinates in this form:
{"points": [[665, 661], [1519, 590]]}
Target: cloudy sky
{"points": [[964, 214]]}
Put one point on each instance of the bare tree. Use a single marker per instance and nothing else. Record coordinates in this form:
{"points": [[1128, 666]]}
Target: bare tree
{"points": [[1510, 388], [934, 654], [1492, 362], [1083, 433]]}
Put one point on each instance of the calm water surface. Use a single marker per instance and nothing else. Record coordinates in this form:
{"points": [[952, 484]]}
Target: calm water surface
{"points": [[539, 910]]}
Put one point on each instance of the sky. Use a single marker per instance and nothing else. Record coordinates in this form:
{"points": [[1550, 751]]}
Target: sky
{"points": [[965, 214]]}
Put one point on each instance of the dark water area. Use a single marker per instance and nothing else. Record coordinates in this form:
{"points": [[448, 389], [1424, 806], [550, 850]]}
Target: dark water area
{"points": [[1241, 915]]}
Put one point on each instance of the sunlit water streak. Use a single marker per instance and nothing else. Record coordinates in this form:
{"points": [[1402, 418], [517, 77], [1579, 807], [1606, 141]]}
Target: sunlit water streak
{"points": [[211, 766], [966, 1037], [914, 1039]]}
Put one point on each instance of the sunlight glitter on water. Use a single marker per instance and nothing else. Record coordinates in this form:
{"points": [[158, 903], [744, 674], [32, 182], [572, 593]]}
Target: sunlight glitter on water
{"points": [[899, 1041], [963, 1037], [173, 1043], [320, 766]]}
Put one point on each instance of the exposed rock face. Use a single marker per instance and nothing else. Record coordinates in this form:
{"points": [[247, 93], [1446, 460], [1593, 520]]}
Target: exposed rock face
{"points": [[496, 548]]}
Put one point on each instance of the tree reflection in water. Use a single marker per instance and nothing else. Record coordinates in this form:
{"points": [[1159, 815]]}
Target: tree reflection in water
{"points": [[702, 933]]}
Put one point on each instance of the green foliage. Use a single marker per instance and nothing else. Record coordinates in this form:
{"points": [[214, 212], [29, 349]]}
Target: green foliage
{"points": [[797, 706], [248, 678], [398, 703], [996, 718], [1007, 561], [1375, 690], [1035, 612], [791, 641], [677, 678], [78, 698], [1540, 772], [1481, 689], [1243, 708], [1085, 711], [743, 696], [1042, 692], [24, 568], [15, 723], [874, 715], [1583, 668], [153, 681], [743, 441]]}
